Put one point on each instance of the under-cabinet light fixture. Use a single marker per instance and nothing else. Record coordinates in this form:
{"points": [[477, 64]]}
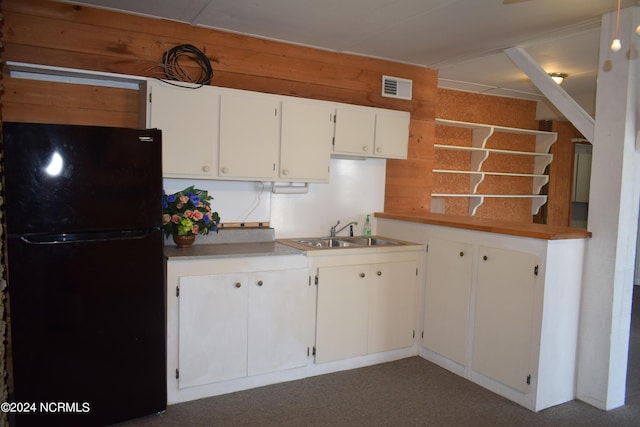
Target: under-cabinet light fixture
{"points": [[558, 77], [290, 188]]}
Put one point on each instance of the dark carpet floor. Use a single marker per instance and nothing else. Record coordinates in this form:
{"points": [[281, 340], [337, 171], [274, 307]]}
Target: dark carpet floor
{"points": [[408, 392]]}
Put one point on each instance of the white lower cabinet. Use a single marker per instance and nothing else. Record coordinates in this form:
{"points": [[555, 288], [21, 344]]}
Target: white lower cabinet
{"points": [[341, 322], [504, 316], [276, 321], [447, 298], [484, 319], [500, 310], [392, 295], [236, 323], [212, 336], [365, 309]]}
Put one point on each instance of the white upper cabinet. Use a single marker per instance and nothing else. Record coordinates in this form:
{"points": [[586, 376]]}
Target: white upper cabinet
{"points": [[305, 141], [249, 136], [210, 132], [187, 116], [354, 131], [371, 132], [391, 134]]}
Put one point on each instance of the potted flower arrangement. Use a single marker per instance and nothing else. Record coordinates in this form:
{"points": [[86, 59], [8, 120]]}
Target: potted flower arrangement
{"points": [[187, 213]]}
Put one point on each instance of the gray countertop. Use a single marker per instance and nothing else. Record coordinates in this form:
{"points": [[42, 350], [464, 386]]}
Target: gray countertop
{"points": [[221, 250]]}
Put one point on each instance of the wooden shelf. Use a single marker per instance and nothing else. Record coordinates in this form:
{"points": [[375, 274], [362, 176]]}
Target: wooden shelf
{"points": [[476, 200], [479, 154]]}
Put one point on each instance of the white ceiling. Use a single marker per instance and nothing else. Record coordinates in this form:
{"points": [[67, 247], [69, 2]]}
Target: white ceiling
{"points": [[462, 39]]}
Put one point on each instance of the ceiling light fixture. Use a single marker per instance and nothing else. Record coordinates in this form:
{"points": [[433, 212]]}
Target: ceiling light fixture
{"points": [[615, 44], [558, 77]]}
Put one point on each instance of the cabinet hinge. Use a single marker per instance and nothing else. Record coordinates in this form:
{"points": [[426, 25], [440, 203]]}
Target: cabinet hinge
{"points": [[535, 270], [529, 379], [427, 249], [177, 373], [333, 141], [314, 350], [177, 291], [416, 271], [150, 95], [307, 351], [316, 281], [414, 333], [422, 334]]}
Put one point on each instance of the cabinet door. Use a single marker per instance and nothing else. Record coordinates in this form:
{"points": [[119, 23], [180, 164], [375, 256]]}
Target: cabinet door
{"points": [[392, 296], [504, 316], [392, 134], [212, 317], [354, 131], [341, 328], [305, 141], [277, 325], [447, 298], [188, 120], [249, 136]]}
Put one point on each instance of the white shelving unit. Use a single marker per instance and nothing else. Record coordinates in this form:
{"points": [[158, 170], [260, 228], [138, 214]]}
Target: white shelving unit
{"points": [[480, 153]]}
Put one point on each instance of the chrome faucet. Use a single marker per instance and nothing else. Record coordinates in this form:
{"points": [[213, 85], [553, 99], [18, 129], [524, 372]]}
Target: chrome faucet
{"points": [[334, 231]]}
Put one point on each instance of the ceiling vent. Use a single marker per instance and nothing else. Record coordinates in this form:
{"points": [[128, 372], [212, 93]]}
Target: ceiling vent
{"points": [[395, 87]]}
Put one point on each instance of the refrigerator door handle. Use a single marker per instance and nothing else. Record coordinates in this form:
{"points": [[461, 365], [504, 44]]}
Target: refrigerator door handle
{"points": [[64, 238]]}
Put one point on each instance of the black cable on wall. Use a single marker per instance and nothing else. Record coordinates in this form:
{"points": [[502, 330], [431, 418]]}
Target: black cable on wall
{"points": [[174, 70]]}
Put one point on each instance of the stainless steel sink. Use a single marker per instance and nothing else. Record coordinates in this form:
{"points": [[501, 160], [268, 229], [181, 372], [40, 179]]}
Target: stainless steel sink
{"points": [[370, 241], [325, 243], [343, 242]]}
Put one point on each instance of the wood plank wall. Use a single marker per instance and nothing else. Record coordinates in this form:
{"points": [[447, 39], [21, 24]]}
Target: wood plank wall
{"points": [[561, 174], [50, 33], [58, 34]]}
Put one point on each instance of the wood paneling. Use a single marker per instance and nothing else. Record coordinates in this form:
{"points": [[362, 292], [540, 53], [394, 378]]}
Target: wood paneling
{"points": [[408, 183], [63, 35], [561, 174], [59, 34]]}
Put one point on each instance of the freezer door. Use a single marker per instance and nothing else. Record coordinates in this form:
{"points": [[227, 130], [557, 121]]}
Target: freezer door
{"points": [[88, 328], [65, 178]]}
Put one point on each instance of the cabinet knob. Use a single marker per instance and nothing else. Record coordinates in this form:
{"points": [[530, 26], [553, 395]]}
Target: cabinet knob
{"points": [[461, 253], [365, 148], [485, 257], [260, 283], [238, 284], [362, 274], [379, 150], [206, 168], [224, 170], [379, 273], [285, 172]]}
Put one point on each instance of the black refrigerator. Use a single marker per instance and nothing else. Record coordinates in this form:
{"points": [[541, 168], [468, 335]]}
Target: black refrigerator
{"points": [[85, 273]]}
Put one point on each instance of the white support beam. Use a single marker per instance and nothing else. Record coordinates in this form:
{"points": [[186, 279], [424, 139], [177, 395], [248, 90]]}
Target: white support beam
{"points": [[558, 97]]}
